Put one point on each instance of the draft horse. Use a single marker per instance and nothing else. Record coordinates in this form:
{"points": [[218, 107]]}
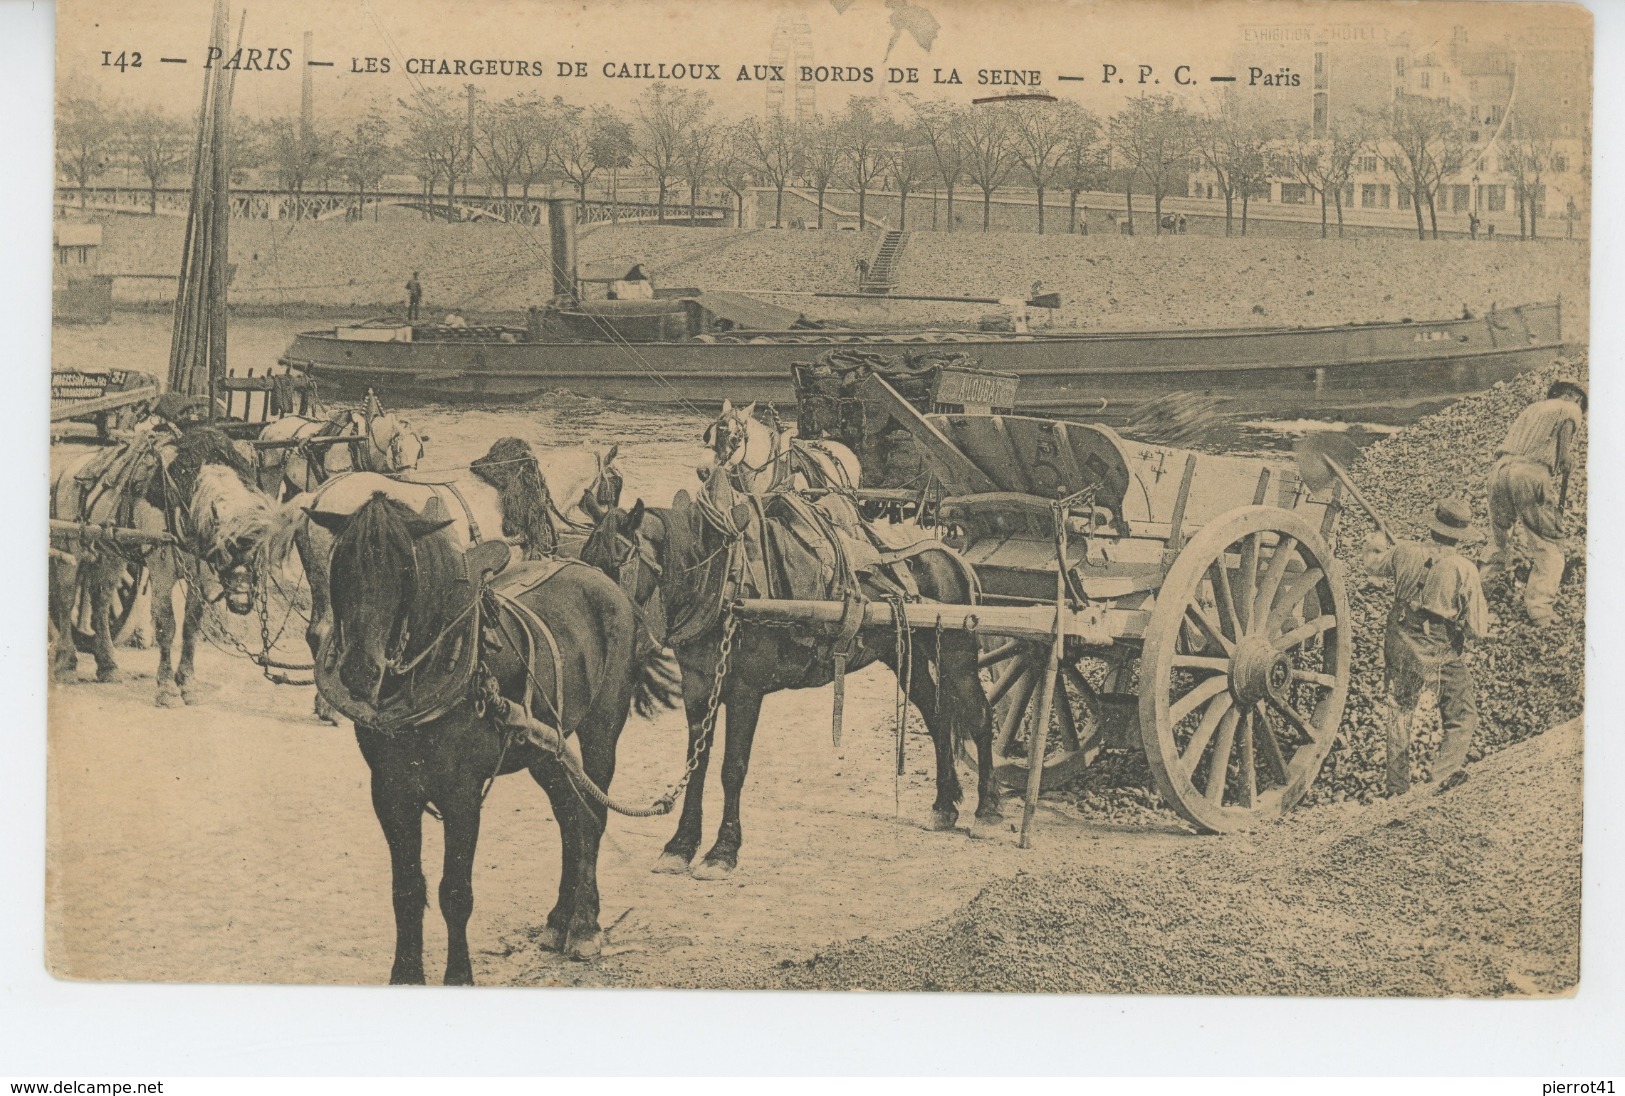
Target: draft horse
{"points": [[383, 442], [419, 651], [759, 458], [196, 489], [694, 556], [507, 494]]}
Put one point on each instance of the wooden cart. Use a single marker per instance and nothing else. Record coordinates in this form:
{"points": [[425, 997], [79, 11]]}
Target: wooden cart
{"points": [[1136, 596]]}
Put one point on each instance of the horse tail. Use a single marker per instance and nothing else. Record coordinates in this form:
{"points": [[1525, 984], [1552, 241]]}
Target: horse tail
{"points": [[659, 683]]}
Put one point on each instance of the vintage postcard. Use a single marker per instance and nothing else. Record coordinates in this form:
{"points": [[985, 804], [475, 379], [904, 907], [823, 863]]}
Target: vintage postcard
{"points": [[824, 494]]}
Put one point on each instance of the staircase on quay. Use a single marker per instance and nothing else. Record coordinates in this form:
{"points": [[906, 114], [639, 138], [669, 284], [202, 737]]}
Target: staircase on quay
{"points": [[882, 276]]}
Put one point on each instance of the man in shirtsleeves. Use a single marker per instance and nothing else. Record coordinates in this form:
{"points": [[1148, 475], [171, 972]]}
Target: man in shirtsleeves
{"points": [[1438, 609], [1527, 490]]}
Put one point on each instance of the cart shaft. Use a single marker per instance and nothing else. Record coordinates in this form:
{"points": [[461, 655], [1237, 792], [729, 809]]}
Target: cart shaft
{"points": [[1094, 626]]}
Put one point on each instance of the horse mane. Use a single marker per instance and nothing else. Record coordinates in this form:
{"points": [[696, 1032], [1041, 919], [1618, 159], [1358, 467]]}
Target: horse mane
{"points": [[226, 511], [511, 467], [377, 539], [196, 447]]}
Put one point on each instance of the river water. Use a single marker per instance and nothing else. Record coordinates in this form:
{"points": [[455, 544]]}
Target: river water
{"points": [[659, 446]]}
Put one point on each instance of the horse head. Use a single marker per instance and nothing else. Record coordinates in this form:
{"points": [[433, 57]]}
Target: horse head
{"points": [[628, 546], [605, 489], [393, 446], [391, 577], [231, 521], [729, 437]]}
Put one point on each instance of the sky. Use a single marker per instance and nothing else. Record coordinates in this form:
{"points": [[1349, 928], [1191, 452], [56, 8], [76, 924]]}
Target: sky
{"points": [[1055, 38]]}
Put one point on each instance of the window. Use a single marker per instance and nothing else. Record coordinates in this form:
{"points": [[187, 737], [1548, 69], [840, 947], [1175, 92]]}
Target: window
{"points": [[1560, 164], [1404, 198], [1348, 195], [1495, 198], [1367, 165], [1425, 79], [1294, 194], [1461, 198], [1399, 67], [1320, 71], [1496, 114]]}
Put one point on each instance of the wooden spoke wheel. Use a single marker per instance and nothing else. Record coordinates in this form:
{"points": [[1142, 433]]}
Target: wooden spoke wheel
{"points": [[1073, 737], [1245, 670], [124, 598]]}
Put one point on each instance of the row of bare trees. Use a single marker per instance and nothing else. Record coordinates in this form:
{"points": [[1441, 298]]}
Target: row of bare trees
{"points": [[674, 137]]}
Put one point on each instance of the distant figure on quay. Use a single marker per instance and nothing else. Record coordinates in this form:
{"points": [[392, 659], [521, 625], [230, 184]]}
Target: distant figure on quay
{"points": [[414, 298]]}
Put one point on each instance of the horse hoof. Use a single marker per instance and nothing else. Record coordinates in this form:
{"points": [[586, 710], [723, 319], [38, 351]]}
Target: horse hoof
{"points": [[942, 821], [189, 696], [712, 869], [670, 864], [551, 939], [169, 699], [109, 677], [585, 947], [985, 829]]}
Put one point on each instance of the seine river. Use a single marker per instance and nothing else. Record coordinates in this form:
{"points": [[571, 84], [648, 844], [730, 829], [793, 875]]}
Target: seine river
{"points": [[659, 446]]}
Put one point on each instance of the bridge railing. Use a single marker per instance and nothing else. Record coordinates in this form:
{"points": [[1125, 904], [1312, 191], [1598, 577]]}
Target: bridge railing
{"points": [[322, 205]]}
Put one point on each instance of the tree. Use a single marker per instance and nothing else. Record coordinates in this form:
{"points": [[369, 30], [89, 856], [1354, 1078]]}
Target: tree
{"points": [[989, 160], [158, 146], [295, 154], [1425, 141], [1231, 139], [1153, 135], [906, 164], [1325, 163], [1082, 167], [865, 134], [938, 123], [776, 148], [86, 136], [586, 145], [364, 157], [504, 134], [734, 162], [822, 158], [1040, 134], [437, 139], [667, 118], [697, 161], [1527, 142]]}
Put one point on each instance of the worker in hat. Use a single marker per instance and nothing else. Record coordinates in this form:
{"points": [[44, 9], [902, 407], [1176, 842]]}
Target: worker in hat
{"points": [[1438, 609], [1529, 492]]}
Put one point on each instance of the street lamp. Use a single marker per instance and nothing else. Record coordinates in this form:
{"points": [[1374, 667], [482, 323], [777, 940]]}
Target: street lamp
{"points": [[1476, 193]]}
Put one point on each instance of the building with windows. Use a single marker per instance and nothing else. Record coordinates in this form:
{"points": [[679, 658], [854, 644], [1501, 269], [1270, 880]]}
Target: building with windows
{"points": [[1525, 98]]}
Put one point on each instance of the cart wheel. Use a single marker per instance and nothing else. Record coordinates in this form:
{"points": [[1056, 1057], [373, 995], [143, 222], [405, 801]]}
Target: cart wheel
{"points": [[124, 599], [1246, 669], [1074, 733]]}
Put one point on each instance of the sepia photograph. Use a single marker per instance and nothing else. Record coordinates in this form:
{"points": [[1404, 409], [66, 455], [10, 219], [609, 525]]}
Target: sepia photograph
{"points": [[1031, 498]]}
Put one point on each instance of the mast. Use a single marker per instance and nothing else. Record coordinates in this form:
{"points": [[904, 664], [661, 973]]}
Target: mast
{"points": [[197, 351]]}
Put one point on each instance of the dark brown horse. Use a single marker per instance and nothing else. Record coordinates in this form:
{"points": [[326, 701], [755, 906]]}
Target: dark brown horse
{"points": [[691, 556], [414, 638]]}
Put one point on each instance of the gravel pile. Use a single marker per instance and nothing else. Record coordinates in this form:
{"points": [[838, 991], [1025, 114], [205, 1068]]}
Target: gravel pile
{"points": [[1474, 893], [1527, 680]]}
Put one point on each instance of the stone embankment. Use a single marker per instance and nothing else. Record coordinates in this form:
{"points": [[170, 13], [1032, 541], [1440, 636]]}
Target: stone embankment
{"points": [[1105, 282]]}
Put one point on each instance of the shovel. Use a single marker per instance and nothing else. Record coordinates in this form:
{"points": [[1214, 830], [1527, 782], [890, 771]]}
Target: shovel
{"points": [[1324, 456]]}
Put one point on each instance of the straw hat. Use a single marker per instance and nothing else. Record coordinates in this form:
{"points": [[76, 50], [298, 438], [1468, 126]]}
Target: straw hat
{"points": [[1453, 518]]}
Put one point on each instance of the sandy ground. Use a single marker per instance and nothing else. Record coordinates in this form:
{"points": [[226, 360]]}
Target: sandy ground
{"points": [[234, 841]]}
